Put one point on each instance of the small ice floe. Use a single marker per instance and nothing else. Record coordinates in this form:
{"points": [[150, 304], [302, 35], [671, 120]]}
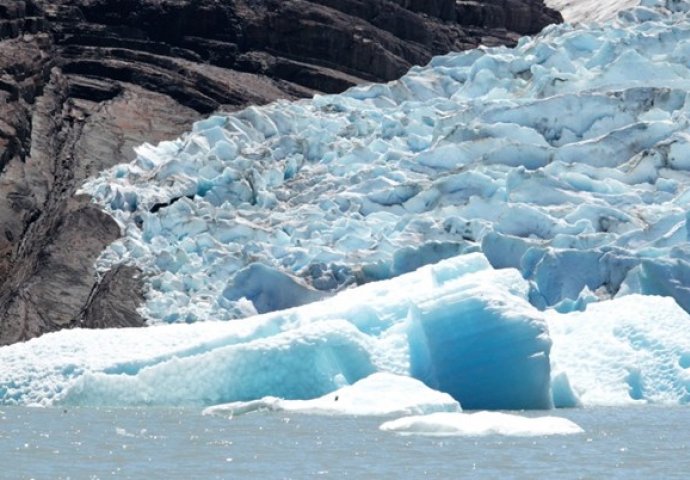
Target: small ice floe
{"points": [[379, 394], [481, 424]]}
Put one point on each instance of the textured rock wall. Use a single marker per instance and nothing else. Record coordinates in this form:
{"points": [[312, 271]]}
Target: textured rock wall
{"points": [[83, 81]]}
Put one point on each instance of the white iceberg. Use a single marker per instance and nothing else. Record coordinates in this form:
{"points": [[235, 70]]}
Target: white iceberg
{"points": [[635, 349], [478, 424], [380, 394]]}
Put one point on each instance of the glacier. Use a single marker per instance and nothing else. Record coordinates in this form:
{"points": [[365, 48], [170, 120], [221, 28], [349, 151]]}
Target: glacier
{"points": [[565, 157], [507, 226]]}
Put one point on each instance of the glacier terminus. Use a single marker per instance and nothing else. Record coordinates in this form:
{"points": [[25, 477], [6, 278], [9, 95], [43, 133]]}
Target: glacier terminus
{"points": [[509, 227]]}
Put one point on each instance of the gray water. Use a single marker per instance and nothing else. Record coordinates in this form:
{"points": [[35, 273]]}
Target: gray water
{"points": [[625, 443]]}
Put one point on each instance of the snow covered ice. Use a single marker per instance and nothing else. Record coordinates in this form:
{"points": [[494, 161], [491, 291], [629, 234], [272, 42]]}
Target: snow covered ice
{"points": [[481, 424], [431, 324], [633, 349], [380, 394], [508, 226]]}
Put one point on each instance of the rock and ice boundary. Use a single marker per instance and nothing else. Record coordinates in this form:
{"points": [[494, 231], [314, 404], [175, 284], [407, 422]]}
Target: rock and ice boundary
{"points": [[567, 157], [543, 191]]}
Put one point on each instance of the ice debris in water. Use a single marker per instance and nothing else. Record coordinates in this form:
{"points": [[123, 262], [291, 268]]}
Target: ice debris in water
{"points": [[459, 326], [445, 424], [567, 157], [379, 394]]}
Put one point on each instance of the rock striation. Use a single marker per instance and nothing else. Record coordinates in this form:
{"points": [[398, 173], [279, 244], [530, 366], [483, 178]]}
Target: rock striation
{"points": [[84, 81]]}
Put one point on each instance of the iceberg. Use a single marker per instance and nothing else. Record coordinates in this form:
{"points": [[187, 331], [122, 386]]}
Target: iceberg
{"points": [[445, 424], [380, 394], [459, 327], [635, 349]]}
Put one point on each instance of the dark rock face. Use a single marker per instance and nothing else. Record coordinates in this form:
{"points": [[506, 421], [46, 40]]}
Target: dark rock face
{"points": [[84, 81]]}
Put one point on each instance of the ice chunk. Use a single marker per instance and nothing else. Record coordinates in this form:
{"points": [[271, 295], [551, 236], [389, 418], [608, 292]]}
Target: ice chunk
{"points": [[269, 289], [379, 394], [459, 326], [299, 363], [635, 349], [448, 346], [668, 277], [481, 424]]}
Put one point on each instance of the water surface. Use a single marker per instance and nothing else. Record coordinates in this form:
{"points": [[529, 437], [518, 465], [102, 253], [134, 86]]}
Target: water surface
{"points": [[85, 443]]}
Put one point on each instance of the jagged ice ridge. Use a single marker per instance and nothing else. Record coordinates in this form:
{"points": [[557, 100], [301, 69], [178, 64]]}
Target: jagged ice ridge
{"points": [[545, 187], [566, 157]]}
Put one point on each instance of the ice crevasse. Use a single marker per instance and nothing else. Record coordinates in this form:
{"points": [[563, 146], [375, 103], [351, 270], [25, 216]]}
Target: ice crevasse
{"points": [[509, 226]]}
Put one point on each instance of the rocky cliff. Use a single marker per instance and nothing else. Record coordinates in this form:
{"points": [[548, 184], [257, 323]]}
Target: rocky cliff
{"points": [[83, 81]]}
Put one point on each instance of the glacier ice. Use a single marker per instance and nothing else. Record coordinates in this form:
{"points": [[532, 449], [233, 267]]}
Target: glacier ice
{"points": [[418, 324], [459, 326], [508, 226], [635, 349], [444, 424], [565, 157], [380, 394]]}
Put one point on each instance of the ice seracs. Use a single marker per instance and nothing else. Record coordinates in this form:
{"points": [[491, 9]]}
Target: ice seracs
{"points": [[565, 157]]}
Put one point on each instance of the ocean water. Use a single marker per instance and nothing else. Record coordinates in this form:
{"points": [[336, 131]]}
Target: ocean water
{"points": [[84, 443]]}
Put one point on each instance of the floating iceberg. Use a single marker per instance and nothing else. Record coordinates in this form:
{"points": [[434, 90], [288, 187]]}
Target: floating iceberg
{"points": [[481, 424], [565, 157], [460, 326], [379, 394]]}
